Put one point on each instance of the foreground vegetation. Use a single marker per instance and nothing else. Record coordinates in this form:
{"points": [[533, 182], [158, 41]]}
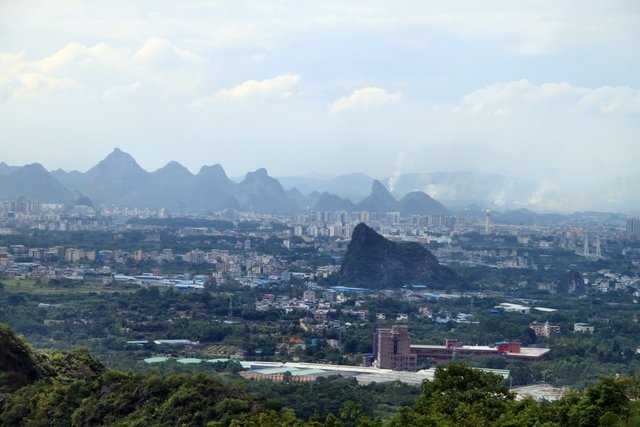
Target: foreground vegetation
{"points": [[53, 389]]}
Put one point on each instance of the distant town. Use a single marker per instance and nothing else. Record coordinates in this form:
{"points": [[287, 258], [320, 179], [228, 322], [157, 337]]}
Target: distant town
{"points": [[525, 286]]}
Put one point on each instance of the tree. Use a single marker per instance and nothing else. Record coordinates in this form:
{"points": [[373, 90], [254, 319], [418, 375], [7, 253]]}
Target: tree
{"points": [[458, 395], [604, 404]]}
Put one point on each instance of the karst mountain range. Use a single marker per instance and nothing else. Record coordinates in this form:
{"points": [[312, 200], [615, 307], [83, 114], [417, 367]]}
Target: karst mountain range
{"points": [[118, 180]]}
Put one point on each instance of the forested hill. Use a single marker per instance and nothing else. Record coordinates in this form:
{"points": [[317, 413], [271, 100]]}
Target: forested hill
{"points": [[371, 261], [73, 389]]}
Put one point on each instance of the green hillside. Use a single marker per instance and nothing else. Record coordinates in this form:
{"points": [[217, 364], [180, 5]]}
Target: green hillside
{"points": [[73, 389]]}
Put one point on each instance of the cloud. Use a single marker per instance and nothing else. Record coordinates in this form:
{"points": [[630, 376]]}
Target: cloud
{"points": [[503, 98], [100, 69], [79, 55], [608, 99], [161, 53], [278, 87], [367, 97], [122, 90], [33, 85]]}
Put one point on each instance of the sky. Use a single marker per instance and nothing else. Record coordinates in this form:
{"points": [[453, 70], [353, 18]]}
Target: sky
{"points": [[526, 88]]}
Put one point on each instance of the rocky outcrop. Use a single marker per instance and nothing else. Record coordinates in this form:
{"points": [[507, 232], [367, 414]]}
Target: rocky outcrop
{"points": [[374, 262]]}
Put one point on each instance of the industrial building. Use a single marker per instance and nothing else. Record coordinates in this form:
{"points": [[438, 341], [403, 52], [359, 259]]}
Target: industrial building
{"points": [[453, 349], [392, 349]]}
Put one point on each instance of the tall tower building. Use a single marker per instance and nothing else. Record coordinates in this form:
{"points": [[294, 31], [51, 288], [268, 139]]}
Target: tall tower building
{"points": [[487, 222], [392, 349], [585, 250], [633, 227]]}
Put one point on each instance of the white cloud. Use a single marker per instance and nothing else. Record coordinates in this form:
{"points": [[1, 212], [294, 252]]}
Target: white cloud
{"points": [[100, 68], [121, 90], [33, 85], [278, 87], [161, 53], [364, 98], [608, 99], [78, 54], [503, 98]]}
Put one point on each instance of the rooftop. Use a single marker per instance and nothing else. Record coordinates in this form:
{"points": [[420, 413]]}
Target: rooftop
{"points": [[156, 359], [531, 351]]}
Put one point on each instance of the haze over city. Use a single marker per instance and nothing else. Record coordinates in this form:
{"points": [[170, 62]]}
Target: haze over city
{"points": [[542, 90], [294, 213]]}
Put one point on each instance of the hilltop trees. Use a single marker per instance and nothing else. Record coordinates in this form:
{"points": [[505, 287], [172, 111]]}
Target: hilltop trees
{"points": [[74, 389], [457, 396], [462, 396]]}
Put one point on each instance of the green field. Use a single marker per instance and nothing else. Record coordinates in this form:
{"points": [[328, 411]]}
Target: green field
{"points": [[29, 286]]}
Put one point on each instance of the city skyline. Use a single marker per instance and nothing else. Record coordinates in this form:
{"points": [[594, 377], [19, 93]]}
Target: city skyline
{"points": [[543, 90]]}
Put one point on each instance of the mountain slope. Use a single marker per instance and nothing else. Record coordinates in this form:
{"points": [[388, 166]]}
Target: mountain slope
{"points": [[261, 193], [332, 203], [380, 200], [34, 183], [171, 187], [296, 198], [75, 389], [215, 176], [117, 180], [214, 190], [5, 169], [419, 203], [17, 359]]}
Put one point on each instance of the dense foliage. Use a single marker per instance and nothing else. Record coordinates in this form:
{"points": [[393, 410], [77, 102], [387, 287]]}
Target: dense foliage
{"points": [[74, 389], [327, 396], [461, 396]]}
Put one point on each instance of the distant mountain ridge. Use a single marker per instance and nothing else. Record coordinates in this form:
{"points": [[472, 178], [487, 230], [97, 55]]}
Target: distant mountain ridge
{"points": [[381, 200], [5, 169], [460, 190], [354, 186], [118, 180], [331, 202]]}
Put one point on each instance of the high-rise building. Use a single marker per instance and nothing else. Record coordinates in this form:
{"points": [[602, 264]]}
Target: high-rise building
{"points": [[393, 217], [392, 349], [312, 231], [633, 227], [74, 255], [487, 222]]}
